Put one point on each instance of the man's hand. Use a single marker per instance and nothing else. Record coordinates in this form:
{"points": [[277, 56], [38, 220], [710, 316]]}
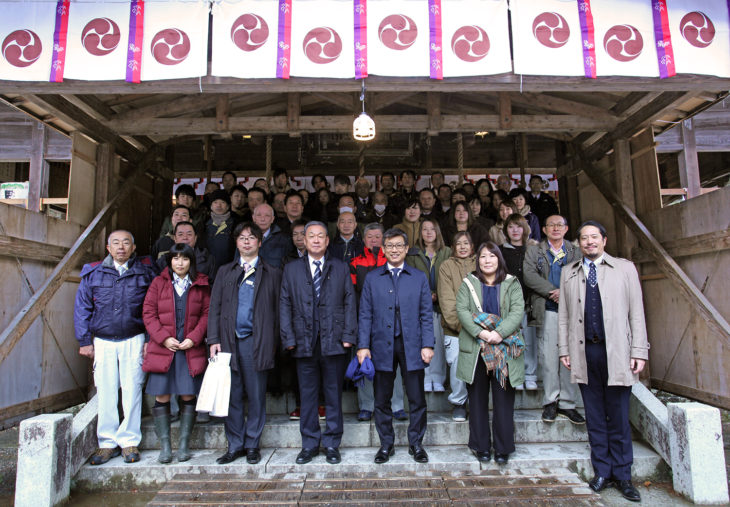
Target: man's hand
{"points": [[87, 351], [427, 354], [171, 343], [347, 345], [637, 365], [566, 361], [362, 354], [186, 344], [214, 349], [291, 348], [554, 295]]}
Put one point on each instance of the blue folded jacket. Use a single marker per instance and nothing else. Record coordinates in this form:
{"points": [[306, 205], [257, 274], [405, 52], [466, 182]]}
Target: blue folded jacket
{"points": [[358, 372]]}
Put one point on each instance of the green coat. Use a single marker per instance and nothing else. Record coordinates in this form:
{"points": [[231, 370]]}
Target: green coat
{"points": [[511, 307], [417, 258]]}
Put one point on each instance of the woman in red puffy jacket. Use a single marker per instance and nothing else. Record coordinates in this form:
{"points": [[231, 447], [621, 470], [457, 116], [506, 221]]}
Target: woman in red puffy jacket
{"points": [[175, 314]]}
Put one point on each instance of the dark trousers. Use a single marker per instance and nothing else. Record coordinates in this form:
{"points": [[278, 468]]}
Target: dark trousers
{"points": [[503, 421], [383, 386], [607, 417], [327, 373], [242, 433]]}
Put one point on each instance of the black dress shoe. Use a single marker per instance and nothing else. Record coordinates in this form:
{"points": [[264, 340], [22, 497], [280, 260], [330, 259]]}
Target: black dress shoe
{"points": [[333, 455], [501, 459], [419, 453], [306, 455], [599, 483], [572, 414], [229, 457], [482, 456], [384, 454], [550, 412], [253, 456], [628, 491]]}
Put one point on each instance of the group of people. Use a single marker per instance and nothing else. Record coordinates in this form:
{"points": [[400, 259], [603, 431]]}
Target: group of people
{"points": [[431, 289]]}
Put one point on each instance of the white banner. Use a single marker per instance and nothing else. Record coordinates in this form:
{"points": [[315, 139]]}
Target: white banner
{"points": [[624, 35], [700, 36], [322, 39], [175, 43], [26, 35], [475, 37], [398, 38], [546, 38], [98, 34], [244, 39]]}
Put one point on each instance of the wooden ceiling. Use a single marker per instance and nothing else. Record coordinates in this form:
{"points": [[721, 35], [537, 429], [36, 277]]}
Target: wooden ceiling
{"points": [[417, 120]]}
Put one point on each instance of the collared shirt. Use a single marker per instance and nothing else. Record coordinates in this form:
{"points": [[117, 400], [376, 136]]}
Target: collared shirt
{"points": [[312, 267], [267, 232], [390, 267], [181, 284], [252, 266], [125, 266], [587, 264]]}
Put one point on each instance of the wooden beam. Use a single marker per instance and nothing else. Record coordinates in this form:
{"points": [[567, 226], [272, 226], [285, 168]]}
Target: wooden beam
{"points": [[174, 107], [433, 105], [343, 100], [505, 111], [222, 111], [551, 103], [693, 245], [664, 261], [689, 164], [36, 304], [645, 167], [692, 393], [38, 174], [293, 108], [46, 404], [624, 178], [10, 246]]}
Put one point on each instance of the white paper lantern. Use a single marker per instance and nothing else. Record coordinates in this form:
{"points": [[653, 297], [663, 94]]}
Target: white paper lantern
{"points": [[363, 128]]}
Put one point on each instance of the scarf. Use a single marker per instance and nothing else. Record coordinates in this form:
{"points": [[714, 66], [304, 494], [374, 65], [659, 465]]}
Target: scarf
{"points": [[219, 219], [525, 211], [496, 356]]}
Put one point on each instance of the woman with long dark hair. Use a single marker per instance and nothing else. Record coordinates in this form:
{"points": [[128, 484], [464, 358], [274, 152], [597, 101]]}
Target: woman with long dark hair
{"points": [[490, 307], [460, 219], [175, 313]]}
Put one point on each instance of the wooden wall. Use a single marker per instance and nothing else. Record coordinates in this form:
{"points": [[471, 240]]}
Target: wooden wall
{"points": [[36, 374]]}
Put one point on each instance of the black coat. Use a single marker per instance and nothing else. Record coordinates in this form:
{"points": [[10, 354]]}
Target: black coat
{"points": [[224, 308], [337, 310]]}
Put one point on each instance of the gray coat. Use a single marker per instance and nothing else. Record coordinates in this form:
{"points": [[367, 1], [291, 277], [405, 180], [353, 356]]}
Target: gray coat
{"points": [[535, 273]]}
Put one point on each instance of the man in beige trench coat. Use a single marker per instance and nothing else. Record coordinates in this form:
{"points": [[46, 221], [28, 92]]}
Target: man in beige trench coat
{"points": [[602, 340]]}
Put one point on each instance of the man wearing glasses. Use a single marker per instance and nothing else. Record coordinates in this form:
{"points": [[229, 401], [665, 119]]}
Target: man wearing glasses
{"points": [[396, 328], [542, 267]]}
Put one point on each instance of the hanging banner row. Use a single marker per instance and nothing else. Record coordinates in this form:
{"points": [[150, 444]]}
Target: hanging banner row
{"points": [[145, 40]]}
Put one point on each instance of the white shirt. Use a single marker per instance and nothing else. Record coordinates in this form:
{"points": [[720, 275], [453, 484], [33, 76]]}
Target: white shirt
{"points": [[253, 263], [180, 284], [587, 265], [313, 268], [391, 267], [125, 265]]}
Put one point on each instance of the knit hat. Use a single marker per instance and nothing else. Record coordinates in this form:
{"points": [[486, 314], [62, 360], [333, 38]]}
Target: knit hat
{"points": [[219, 194]]}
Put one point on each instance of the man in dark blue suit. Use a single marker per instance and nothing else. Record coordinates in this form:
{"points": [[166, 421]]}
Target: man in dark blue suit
{"points": [[318, 324], [396, 328]]}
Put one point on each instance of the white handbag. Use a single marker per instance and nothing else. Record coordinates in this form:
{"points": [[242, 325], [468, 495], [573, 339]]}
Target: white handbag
{"points": [[215, 392]]}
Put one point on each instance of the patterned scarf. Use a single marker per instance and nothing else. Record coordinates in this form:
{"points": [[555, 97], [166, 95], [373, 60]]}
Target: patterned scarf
{"points": [[496, 356], [220, 220]]}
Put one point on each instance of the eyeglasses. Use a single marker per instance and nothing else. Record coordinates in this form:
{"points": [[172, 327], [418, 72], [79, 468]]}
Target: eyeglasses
{"points": [[246, 239], [554, 226], [396, 246]]}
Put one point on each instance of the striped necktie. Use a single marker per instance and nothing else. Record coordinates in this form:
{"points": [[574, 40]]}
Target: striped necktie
{"points": [[317, 279]]}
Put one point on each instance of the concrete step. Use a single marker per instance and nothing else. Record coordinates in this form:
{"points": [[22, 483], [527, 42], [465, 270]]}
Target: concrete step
{"points": [[442, 430], [516, 487], [150, 475]]}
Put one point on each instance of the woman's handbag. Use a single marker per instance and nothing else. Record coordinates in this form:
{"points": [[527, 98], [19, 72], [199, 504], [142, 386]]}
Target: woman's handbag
{"points": [[215, 392]]}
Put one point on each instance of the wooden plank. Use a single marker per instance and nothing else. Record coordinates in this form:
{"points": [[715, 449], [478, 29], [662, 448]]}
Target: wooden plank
{"points": [[41, 405], [505, 111], [81, 179], [222, 111], [191, 103], [12, 246], [433, 100], [343, 100], [692, 393], [668, 266], [625, 190], [647, 186], [685, 247], [38, 175], [54, 200], [557, 104], [293, 108], [689, 164], [35, 305]]}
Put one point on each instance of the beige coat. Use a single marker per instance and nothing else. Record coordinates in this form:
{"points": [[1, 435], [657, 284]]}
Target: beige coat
{"points": [[623, 319], [451, 274]]}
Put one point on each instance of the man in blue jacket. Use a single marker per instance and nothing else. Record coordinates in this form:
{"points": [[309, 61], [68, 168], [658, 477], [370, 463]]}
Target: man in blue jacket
{"points": [[318, 324], [396, 328], [109, 328]]}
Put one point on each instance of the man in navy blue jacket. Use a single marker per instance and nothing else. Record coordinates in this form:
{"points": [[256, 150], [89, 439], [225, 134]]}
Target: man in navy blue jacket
{"points": [[318, 324], [109, 328], [396, 328]]}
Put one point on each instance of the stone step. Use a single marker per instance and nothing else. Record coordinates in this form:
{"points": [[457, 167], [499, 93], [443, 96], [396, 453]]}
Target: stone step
{"points": [[516, 487], [442, 430], [150, 475]]}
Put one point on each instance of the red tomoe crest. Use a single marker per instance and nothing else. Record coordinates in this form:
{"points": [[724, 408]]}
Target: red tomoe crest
{"points": [[470, 43], [697, 29], [170, 46], [551, 30], [21, 48], [322, 45], [100, 36], [249, 32], [397, 32], [623, 42]]}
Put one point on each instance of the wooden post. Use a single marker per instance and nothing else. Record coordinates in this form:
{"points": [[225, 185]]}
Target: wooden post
{"points": [[293, 109], [433, 106], [647, 187], [460, 157], [522, 158], [35, 305], [38, 176], [689, 165], [625, 241], [567, 187], [104, 172]]}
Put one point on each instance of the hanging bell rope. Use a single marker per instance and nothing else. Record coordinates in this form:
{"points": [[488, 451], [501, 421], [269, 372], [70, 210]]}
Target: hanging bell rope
{"points": [[268, 174], [460, 157], [361, 174]]}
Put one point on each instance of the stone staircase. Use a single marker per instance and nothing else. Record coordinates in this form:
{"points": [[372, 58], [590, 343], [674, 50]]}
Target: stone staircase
{"points": [[540, 446]]}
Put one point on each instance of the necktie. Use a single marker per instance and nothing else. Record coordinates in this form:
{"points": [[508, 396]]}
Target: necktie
{"points": [[246, 267], [592, 278], [317, 279], [122, 269], [397, 326]]}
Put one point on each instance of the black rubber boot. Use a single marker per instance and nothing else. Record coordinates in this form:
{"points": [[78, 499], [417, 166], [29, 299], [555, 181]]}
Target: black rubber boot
{"points": [[187, 421], [162, 428]]}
